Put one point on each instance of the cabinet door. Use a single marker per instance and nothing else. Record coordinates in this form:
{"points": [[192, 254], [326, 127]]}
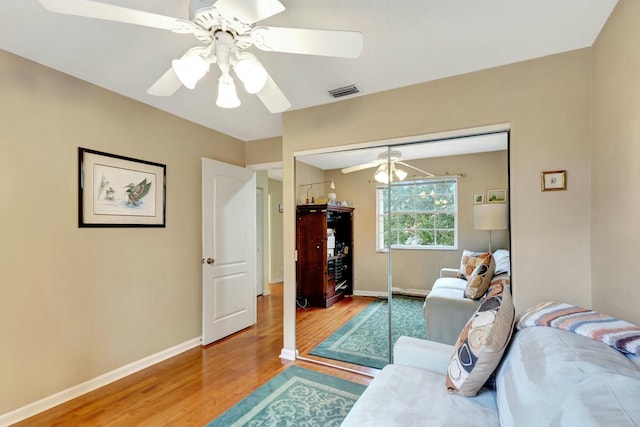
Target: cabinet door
{"points": [[312, 254]]}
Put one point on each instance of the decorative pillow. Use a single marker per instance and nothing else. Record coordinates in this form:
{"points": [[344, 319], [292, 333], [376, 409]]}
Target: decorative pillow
{"points": [[469, 262], [480, 279], [481, 343], [503, 262], [617, 333]]}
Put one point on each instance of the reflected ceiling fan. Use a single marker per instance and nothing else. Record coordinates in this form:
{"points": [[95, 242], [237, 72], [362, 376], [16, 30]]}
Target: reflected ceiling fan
{"points": [[225, 29], [386, 160]]}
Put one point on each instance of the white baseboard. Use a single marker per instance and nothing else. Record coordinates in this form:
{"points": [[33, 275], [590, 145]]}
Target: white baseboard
{"points": [[288, 354], [95, 383], [370, 294]]}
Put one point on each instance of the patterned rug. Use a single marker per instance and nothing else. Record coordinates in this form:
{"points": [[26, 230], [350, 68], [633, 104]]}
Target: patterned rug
{"points": [[364, 340], [296, 397]]}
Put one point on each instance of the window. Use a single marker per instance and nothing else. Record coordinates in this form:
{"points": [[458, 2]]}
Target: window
{"points": [[424, 215]]}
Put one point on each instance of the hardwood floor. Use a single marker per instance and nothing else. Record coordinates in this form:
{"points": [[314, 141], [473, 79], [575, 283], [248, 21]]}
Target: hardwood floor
{"points": [[194, 387]]}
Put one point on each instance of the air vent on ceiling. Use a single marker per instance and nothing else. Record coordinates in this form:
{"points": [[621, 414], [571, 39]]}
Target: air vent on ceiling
{"points": [[344, 91]]}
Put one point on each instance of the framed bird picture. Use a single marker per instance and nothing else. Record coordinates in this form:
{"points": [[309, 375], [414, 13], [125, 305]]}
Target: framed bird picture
{"points": [[118, 191]]}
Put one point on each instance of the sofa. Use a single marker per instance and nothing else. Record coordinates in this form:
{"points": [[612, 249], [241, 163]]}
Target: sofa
{"points": [[446, 309], [546, 377]]}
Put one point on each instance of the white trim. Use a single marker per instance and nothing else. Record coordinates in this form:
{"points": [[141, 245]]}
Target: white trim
{"points": [[370, 294], [499, 127], [265, 166], [95, 383], [288, 354], [331, 365]]}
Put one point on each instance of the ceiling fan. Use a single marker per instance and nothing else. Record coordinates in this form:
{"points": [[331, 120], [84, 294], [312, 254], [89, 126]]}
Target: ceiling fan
{"points": [[225, 29], [387, 169]]}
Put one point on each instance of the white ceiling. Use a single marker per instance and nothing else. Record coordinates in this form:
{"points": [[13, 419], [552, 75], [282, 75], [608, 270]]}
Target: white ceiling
{"points": [[405, 42], [416, 150]]}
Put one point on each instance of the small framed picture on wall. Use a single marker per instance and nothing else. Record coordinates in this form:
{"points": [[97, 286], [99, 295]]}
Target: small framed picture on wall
{"points": [[554, 180], [497, 196], [478, 198]]}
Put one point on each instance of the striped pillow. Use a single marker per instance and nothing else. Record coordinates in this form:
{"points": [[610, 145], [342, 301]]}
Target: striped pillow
{"points": [[619, 334]]}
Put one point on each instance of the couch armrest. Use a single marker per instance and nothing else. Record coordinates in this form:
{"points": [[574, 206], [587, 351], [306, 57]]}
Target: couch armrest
{"points": [[446, 312], [449, 272], [428, 355]]}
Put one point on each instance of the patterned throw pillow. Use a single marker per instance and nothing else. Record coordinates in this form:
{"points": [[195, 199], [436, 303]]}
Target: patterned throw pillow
{"points": [[470, 260], [481, 343], [479, 281]]}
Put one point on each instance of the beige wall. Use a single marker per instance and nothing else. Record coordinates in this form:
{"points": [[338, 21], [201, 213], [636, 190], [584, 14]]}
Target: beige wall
{"points": [[615, 151], [546, 102], [306, 174], [275, 232], [417, 269], [77, 303], [263, 151]]}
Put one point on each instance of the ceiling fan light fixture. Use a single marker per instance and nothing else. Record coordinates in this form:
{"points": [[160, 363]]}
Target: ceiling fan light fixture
{"points": [[250, 72], [227, 95], [400, 173], [381, 174], [190, 69]]}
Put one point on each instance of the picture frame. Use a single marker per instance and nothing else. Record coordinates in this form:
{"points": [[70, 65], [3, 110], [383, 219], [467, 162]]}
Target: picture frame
{"points": [[554, 180], [497, 196], [119, 191], [478, 198]]}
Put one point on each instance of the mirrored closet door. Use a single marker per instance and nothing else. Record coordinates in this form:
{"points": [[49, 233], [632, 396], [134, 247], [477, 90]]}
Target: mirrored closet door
{"points": [[390, 218]]}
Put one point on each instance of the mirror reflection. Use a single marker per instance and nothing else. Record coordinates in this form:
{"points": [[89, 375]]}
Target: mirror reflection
{"points": [[388, 221]]}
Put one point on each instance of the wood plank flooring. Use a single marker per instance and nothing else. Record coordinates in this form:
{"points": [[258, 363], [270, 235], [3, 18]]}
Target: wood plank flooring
{"points": [[193, 388]]}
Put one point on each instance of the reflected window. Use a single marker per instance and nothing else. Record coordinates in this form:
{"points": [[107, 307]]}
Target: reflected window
{"points": [[424, 214]]}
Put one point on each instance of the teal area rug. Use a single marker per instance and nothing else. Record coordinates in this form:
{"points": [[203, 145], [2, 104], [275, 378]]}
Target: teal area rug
{"points": [[295, 397], [364, 340]]}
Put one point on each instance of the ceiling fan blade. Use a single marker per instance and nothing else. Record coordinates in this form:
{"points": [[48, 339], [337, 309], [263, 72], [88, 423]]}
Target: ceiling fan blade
{"points": [[249, 11], [343, 44], [272, 97], [363, 166], [413, 167], [166, 85], [111, 12]]}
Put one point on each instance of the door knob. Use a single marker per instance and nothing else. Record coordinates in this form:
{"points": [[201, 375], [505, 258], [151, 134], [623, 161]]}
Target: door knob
{"points": [[208, 261]]}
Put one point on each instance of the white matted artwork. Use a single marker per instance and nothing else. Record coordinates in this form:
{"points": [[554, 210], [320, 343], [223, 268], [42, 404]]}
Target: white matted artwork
{"points": [[118, 191], [478, 198], [497, 196], [554, 180]]}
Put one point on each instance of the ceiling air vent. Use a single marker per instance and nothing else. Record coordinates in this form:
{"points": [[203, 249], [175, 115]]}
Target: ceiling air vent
{"points": [[344, 91]]}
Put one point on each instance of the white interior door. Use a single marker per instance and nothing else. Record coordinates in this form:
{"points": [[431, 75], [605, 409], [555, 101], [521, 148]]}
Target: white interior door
{"points": [[259, 240], [228, 249]]}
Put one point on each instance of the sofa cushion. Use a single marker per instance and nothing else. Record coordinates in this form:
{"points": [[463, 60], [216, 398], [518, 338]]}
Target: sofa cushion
{"points": [[450, 283], [407, 396], [577, 381], [479, 280], [469, 261], [481, 343]]}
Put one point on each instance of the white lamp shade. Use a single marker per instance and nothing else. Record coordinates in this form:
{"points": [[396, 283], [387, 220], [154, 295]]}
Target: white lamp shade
{"points": [[381, 174], [491, 216], [400, 174], [250, 72], [190, 69], [227, 96]]}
